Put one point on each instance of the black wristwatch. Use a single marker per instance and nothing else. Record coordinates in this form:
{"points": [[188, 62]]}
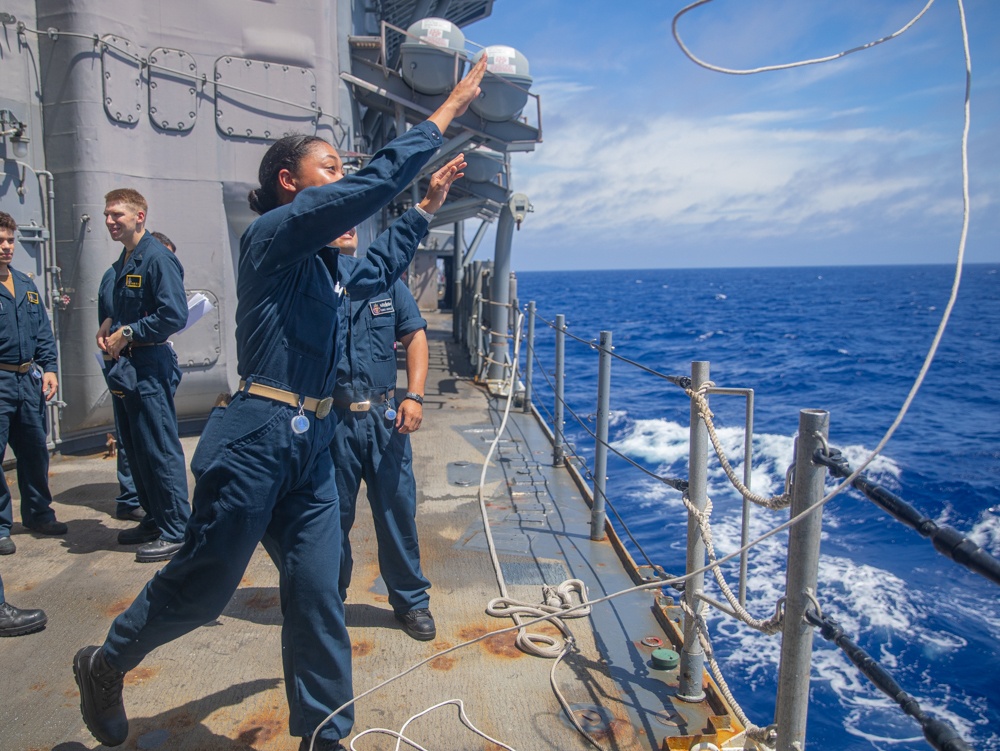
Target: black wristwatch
{"points": [[127, 333], [415, 397]]}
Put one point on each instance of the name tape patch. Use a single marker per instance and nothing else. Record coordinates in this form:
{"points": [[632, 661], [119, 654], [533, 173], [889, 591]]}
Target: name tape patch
{"points": [[133, 281], [381, 307]]}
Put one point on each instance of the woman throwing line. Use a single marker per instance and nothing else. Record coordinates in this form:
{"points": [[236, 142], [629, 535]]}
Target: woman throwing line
{"points": [[263, 468]]}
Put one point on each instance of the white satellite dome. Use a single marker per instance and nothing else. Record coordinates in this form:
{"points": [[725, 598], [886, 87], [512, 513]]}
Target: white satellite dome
{"points": [[427, 56], [500, 101]]}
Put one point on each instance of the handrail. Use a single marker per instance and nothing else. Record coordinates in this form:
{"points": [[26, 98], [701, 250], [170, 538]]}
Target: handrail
{"points": [[947, 541], [939, 734]]}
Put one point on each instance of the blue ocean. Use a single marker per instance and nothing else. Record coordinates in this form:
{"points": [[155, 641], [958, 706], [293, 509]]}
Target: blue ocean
{"points": [[849, 340]]}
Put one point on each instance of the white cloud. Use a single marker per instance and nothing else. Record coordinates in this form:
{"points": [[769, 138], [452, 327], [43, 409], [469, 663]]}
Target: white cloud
{"points": [[757, 172]]}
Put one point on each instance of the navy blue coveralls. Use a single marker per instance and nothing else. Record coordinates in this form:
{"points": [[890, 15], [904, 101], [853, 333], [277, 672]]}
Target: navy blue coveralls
{"points": [[149, 296], [366, 446], [25, 335], [128, 497], [256, 478]]}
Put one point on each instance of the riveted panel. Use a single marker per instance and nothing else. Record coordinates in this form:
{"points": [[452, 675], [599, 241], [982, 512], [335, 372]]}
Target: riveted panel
{"points": [[173, 89], [200, 345], [256, 99], [121, 73]]}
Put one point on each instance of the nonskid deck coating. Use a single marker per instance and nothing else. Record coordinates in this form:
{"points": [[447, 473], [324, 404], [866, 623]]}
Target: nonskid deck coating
{"points": [[221, 687]]}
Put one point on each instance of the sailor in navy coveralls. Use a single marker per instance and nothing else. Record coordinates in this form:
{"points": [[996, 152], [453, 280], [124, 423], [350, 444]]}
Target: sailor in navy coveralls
{"points": [[149, 304], [263, 465], [27, 381], [372, 442], [127, 503]]}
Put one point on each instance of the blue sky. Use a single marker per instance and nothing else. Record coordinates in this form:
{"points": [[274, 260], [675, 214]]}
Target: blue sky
{"points": [[649, 160]]}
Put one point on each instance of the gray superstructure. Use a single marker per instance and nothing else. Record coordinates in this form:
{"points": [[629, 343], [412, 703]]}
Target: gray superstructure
{"points": [[179, 100]]}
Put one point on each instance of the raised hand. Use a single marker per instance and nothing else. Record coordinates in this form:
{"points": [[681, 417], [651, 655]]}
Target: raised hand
{"points": [[441, 182], [461, 96]]}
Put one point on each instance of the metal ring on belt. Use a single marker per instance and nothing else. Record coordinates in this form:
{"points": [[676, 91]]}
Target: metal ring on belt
{"points": [[24, 367], [343, 401], [320, 406]]}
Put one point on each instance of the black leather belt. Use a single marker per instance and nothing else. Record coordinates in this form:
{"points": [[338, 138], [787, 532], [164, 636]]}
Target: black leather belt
{"points": [[345, 400], [24, 367]]}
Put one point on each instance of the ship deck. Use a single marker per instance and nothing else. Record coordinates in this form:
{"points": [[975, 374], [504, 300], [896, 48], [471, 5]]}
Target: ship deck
{"points": [[221, 687]]}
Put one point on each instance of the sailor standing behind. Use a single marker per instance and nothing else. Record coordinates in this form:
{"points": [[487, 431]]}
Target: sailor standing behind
{"points": [[371, 441], [149, 306], [127, 503], [27, 373]]}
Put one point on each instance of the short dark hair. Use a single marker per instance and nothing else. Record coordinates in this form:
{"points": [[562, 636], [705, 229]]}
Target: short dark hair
{"points": [[285, 153], [7, 222], [165, 240]]}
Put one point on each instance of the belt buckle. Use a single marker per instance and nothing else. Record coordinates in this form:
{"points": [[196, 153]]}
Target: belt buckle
{"points": [[361, 406], [23, 368], [323, 407]]}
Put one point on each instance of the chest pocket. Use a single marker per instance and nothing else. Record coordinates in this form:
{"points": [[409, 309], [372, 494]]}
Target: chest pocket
{"points": [[316, 316], [381, 336], [129, 304]]}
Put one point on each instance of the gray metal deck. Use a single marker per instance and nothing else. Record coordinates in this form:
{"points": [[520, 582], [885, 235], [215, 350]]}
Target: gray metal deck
{"points": [[221, 686]]}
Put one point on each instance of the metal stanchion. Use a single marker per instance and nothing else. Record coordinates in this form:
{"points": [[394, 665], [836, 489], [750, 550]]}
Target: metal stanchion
{"points": [[800, 584], [557, 448], [529, 357], [692, 654], [601, 448]]}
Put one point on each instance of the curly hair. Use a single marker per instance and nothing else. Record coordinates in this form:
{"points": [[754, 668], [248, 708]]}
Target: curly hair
{"points": [[7, 222]]}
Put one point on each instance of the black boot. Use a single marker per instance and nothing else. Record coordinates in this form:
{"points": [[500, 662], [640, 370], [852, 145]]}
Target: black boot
{"points": [[321, 744], [101, 696], [418, 623], [138, 535], [17, 622]]}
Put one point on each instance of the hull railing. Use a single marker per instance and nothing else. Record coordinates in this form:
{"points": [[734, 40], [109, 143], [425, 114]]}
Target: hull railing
{"points": [[798, 612]]}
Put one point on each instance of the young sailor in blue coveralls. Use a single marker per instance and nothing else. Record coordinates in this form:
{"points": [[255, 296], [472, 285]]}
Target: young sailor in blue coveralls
{"points": [[149, 304], [127, 503], [372, 442], [27, 381], [263, 465]]}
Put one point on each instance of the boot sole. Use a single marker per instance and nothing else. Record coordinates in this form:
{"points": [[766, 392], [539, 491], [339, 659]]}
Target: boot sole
{"points": [[158, 558], [78, 667], [27, 629]]}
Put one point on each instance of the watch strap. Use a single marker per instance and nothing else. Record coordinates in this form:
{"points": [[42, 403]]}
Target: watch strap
{"points": [[415, 397]]}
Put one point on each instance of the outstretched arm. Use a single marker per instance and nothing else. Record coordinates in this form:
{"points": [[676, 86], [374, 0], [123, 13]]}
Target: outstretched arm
{"points": [[392, 251], [461, 96]]}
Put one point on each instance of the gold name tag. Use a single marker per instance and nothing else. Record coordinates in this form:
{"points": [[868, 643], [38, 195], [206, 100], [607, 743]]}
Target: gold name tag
{"points": [[133, 281]]}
